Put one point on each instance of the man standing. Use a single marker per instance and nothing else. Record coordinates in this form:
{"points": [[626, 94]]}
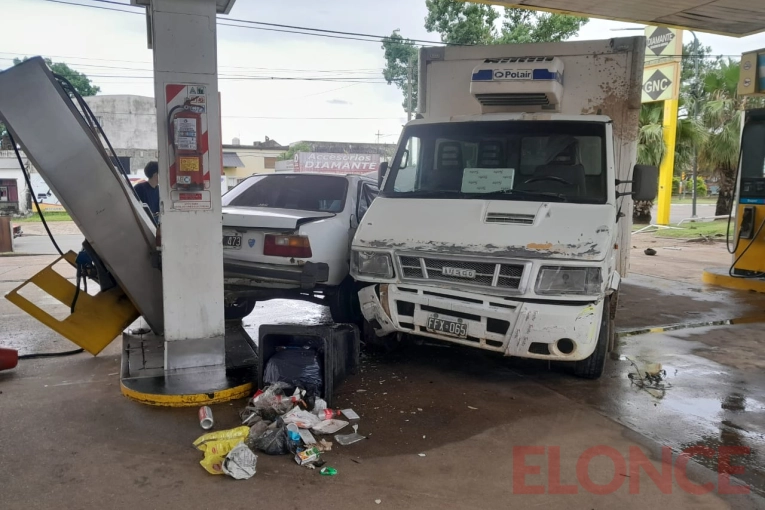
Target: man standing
{"points": [[148, 192]]}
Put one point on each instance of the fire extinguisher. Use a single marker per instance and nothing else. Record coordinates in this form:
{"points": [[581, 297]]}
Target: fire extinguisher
{"points": [[185, 136]]}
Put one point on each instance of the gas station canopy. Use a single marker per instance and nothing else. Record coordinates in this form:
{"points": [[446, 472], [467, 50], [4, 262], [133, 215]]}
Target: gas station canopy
{"points": [[736, 18]]}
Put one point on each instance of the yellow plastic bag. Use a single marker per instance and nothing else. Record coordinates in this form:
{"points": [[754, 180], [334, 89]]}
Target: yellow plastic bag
{"points": [[217, 445]]}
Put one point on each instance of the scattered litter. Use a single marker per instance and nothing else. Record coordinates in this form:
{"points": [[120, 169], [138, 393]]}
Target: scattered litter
{"points": [[307, 456], [423, 437], [327, 414], [350, 414], [348, 439], [206, 418], [357, 461], [378, 501], [329, 426], [306, 436], [274, 442], [473, 408], [649, 251], [216, 445], [240, 462], [293, 432], [324, 446], [676, 248], [420, 454], [654, 380], [419, 409], [301, 418], [328, 471], [360, 391]]}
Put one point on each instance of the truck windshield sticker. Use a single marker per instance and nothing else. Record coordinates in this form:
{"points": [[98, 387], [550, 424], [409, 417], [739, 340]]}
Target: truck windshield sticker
{"points": [[487, 180]]}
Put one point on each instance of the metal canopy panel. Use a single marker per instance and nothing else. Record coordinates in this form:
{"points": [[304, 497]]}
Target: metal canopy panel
{"points": [[735, 18], [73, 162], [232, 160], [221, 6]]}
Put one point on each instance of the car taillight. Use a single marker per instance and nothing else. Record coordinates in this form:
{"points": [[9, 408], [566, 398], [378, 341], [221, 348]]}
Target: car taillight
{"points": [[287, 246]]}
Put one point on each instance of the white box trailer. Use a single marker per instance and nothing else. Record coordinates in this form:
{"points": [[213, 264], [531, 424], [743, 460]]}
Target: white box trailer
{"points": [[500, 224]]}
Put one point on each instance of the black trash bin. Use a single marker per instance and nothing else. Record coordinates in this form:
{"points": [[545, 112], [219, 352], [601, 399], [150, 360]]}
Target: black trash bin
{"points": [[337, 346]]}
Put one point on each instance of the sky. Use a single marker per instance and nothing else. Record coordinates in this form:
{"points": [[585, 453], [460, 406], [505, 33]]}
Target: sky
{"points": [[111, 48]]}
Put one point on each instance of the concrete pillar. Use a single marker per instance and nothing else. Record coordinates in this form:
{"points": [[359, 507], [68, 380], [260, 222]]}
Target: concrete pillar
{"points": [[183, 37]]}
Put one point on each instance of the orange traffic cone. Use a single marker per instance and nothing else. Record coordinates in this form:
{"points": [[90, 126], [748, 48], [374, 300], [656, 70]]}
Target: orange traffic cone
{"points": [[9, 358]]}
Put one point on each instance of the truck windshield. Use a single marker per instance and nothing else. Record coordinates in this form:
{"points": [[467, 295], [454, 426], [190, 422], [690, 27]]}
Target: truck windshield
{"points": [[512, 160], [323, 193]]}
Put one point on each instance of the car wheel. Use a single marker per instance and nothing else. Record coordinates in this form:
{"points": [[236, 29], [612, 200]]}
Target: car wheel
{"points": [[592, 367], [239, 309], [344, 303]]}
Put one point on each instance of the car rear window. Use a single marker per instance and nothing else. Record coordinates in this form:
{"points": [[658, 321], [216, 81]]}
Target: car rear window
{"points": [[322, 193]]}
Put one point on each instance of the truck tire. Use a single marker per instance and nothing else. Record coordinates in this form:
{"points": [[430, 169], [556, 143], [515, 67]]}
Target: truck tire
{"points": [[239, 309], [592, 367], [344, 304]]}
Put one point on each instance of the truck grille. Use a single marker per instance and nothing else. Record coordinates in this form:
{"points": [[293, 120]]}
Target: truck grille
{"points": [[482, 274]]}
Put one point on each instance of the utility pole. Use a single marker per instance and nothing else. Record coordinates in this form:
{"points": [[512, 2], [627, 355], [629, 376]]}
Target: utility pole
{"points": [[409, 74], [696, 94], [378, 135]]}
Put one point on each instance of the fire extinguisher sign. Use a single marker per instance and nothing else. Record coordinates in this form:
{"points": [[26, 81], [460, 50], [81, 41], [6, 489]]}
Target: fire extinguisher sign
{"points": [[189, 171]]}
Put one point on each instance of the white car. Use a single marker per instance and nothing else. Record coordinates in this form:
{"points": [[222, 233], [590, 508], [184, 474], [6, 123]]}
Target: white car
{"points": [[289, 236]]}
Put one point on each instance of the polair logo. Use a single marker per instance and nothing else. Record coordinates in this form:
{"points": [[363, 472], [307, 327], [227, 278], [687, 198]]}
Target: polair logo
{"points": [[513, 74]]}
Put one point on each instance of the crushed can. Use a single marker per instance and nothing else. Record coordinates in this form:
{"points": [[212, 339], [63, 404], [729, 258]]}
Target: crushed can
{"points": [[206, 418]]}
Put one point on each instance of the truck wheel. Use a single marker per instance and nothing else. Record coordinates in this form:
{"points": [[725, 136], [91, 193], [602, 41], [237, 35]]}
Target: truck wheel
{"points": [[239, 309], [344, 304], [592, 366]]}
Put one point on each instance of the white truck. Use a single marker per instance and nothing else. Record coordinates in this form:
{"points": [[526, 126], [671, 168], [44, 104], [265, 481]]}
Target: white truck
{"points": [[504, 220]]}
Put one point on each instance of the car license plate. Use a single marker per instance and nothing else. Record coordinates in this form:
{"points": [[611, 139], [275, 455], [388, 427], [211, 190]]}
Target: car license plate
{"points": [[232, 242], [449, 325]]}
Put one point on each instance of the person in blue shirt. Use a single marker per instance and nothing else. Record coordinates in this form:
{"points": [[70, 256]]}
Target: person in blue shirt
{"points": [[148, 192]]}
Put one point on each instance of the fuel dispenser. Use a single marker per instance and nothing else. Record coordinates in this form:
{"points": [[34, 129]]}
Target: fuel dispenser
{"points": [[749, 244]]}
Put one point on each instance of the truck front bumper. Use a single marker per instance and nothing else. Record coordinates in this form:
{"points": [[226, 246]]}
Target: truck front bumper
{"points": [[559, 331]]}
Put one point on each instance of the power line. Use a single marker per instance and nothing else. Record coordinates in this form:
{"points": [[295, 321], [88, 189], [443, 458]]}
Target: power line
{"points": [[316, 32]]}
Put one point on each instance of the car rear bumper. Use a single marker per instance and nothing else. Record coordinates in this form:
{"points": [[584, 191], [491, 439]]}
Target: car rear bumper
{"points": [[513, 328], [304, 277]]}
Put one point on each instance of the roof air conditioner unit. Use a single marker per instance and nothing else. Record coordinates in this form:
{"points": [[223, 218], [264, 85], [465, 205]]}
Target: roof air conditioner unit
{"points": [[518, 84]]}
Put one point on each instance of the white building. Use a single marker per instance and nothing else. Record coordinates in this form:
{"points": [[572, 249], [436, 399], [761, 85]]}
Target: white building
{"points": [[130, 123], [13, 187]]}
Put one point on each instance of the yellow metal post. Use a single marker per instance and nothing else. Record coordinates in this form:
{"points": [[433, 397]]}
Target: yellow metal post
{"points": [[667, 167]]}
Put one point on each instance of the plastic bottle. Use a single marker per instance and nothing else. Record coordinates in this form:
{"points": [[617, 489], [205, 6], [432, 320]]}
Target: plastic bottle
{"points": [[327, 414]]}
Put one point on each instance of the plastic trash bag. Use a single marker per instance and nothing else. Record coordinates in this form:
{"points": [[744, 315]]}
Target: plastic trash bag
{"points": [[268, 405], [297, 367], [302, 419], [240, 462], [274, 442], [216, 445]]}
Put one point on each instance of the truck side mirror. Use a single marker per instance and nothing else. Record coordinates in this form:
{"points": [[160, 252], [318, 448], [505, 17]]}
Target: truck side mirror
{"points": [[381, 171], [645, 182]]}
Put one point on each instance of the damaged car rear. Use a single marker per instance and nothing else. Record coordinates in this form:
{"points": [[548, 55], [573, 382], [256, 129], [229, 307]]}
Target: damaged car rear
{"points": [[288, 236]]}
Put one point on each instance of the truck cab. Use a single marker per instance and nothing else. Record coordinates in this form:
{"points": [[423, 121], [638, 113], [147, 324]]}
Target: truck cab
{"points": [[501, 229]]}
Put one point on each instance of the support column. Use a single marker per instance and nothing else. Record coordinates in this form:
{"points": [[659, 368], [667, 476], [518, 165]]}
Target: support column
{"points": [[667, 167], [186, 82]]}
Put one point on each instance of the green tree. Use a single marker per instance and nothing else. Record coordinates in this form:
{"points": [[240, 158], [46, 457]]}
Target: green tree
{"points": [[82, 84], [294, 149], [466, 23], [400, 54]]}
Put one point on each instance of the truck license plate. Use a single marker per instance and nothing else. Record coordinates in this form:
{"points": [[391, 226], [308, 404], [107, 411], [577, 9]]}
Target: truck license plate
{"points": [[448, 325], [232, 242]]}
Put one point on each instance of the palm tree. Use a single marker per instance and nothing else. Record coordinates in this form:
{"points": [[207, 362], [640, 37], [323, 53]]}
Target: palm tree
{"points": [[649, 152], [722, 114]]}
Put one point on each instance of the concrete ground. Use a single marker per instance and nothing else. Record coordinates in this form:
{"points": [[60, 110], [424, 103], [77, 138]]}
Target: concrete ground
{"points": [[70, 439]]}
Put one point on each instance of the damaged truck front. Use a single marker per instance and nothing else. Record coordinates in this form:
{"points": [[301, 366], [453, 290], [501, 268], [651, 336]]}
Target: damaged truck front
{"points": [[504, 219]]}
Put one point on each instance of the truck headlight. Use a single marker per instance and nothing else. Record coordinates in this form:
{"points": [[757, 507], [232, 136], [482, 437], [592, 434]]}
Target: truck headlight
{"points": [[557, 280], [373, 263]]}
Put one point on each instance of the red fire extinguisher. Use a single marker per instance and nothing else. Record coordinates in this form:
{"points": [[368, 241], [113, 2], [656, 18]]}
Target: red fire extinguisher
{"points": [[185, 136]]}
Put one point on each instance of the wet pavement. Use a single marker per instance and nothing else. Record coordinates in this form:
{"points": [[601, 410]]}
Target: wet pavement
{"points": [[73, 433]]}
